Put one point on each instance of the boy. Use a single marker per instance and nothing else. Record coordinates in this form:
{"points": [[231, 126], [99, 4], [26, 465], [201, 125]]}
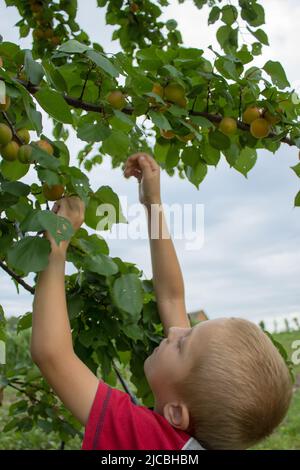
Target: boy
{"points": [[219, 385]]}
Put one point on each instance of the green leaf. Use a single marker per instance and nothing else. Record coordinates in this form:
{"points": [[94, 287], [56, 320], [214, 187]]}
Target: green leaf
{"points": [[229, 14], [54, 77], [7, 200], [38, 220], [100, 264], [209, 154], [33, 70], [116, 144], [73, 47], [16, 187], [29, 254], [104, 207], [190, 156], [128, 295], [129, 120], [260, 35], [297, 200], [253, 13], [93, 132], [133, 331], [227, 37], [218, 140], [102, 62], [161, 152], [55, 105], [245, 161], [277, 74], [44, 159], [24, 322], [196, 174], [171, 25], [296, 169], [214, 15], [13, 171], [160, 120]]}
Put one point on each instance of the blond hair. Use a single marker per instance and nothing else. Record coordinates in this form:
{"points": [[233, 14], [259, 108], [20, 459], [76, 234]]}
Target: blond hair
{"points": [[240, 391]]}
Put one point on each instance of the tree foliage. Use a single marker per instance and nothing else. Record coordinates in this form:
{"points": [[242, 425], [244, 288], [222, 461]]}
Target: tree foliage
{"points": [[172, 100]]}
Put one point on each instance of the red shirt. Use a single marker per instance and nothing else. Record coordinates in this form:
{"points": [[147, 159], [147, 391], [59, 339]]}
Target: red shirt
{"points": [[116, 423]]}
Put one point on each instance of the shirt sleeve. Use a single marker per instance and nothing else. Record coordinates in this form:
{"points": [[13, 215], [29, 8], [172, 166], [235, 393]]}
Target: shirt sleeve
{"points": [[116, 423]]}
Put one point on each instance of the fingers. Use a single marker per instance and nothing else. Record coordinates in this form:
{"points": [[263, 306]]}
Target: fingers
{"points": [[145, 166], [140, 161], [69, 204]]}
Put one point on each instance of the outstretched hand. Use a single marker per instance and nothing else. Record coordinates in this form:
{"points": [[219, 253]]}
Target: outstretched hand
{"points": [[71, 208], [147, 171]]}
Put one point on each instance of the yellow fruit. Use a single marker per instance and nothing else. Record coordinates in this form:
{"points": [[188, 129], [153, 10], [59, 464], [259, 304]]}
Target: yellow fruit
{"points": [[174, 93], [48, 33], [183, 102], [134, 8], [260, 128], [24, 135], [55, 40], [38, 34], [36, 7], [52, 193], [167, 134], [10, 151], [158, 89], [116, 99], [251, 114], [228, 126], [6, 134], [44, 145], [24, 153], [5, 106], [271, 118]]}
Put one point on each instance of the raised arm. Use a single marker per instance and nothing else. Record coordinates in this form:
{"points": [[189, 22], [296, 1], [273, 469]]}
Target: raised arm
{"points": [[51, 340], [167, 277]]}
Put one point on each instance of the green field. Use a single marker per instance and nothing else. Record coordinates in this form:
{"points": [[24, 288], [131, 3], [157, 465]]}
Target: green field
{"points": [[287, 437]]}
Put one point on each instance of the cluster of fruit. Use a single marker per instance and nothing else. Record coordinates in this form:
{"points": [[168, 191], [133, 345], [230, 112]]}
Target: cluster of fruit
{"points": [[44, 30], [11, 150], [172, 93], [10, 147], [260, 121]]}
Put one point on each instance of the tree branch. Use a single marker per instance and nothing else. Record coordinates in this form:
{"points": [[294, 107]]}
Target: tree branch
{"points": [[99, 109], [17, 278]]}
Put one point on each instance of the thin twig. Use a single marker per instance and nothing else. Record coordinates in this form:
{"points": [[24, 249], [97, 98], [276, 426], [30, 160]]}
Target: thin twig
{"points": [[20, 141], [85, 83]]}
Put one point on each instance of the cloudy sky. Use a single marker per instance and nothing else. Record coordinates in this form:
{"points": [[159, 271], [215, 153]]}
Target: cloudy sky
{"points": [[249, 264]]}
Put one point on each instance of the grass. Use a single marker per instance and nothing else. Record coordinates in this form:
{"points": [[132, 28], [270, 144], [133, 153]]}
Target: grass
{"points": [[286, 437]]}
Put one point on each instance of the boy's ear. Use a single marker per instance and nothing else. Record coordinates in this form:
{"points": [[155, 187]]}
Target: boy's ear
{"points": [[177, 414]]}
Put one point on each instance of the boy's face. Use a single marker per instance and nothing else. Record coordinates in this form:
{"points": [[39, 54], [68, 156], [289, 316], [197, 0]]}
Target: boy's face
{"points": [[171, 361]]}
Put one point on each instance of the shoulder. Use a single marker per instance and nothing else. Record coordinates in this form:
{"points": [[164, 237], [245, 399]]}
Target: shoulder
{"points": [[116, 423]]}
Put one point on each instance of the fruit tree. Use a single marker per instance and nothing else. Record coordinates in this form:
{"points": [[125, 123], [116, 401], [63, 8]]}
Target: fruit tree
{"points": [[196, 110]]}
